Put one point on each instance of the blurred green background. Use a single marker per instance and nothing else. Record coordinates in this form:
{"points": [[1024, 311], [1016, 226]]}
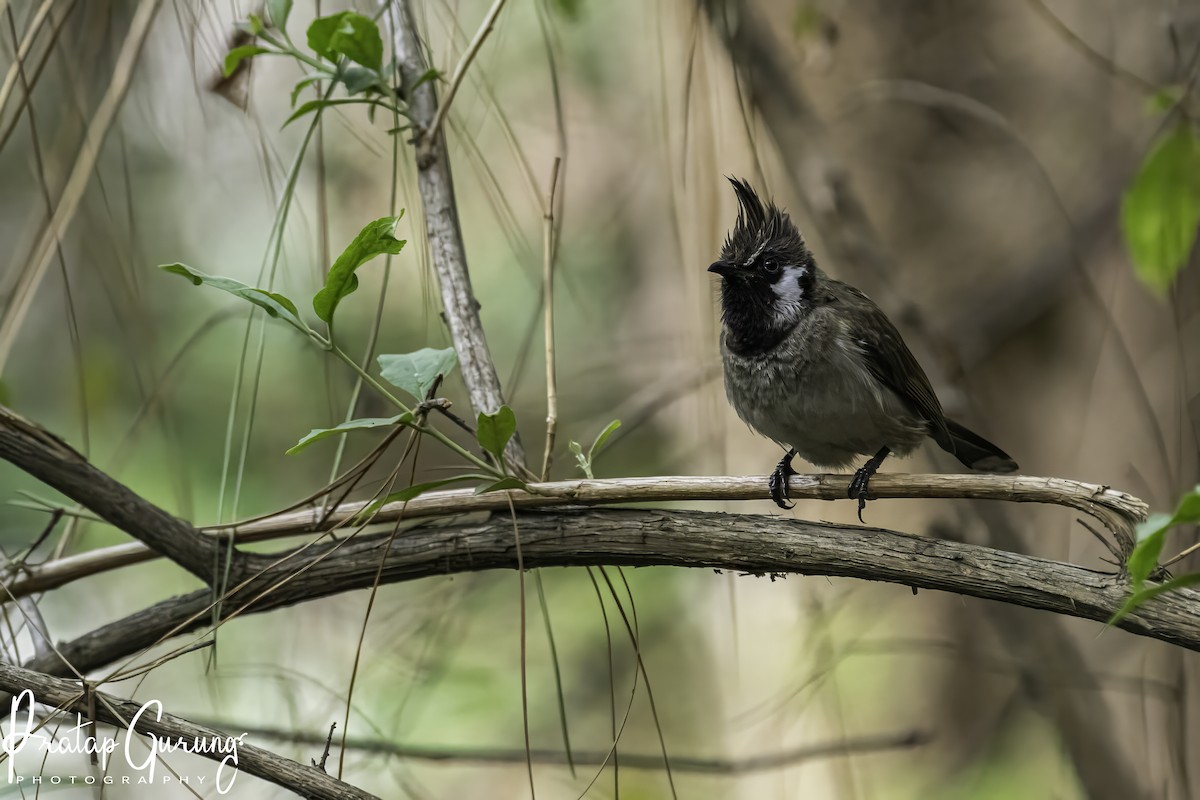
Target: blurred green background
{"points": [[989, 142]]}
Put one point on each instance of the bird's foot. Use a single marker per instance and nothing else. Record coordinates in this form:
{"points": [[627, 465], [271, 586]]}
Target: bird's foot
{"points": [[778, 482], [860, 483], [859, 487]]}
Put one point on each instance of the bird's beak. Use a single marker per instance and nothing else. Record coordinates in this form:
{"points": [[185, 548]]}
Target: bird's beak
{"points": [[722, 268]]}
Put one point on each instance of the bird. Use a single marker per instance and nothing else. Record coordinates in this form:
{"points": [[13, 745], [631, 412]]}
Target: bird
{"points": [[814, 364]]}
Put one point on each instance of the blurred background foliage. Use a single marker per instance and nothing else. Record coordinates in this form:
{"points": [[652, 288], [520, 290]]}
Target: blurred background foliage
{"points": [[1019, 219]]}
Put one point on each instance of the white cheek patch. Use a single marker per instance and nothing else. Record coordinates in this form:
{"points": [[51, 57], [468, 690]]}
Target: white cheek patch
{"points": [[790, 286]]}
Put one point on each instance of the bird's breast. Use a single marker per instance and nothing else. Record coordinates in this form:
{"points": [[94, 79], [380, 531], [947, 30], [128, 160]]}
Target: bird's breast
{"points": [[821, 400]]}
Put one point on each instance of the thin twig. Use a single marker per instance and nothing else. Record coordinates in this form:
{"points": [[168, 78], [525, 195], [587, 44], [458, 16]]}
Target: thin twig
{"points": [[696, 764], [328, 745], [464, 63], [548, 303], [1187, 552]]}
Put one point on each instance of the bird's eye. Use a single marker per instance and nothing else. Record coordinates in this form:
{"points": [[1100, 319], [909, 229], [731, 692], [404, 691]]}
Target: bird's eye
{"points": [[770, 266]]}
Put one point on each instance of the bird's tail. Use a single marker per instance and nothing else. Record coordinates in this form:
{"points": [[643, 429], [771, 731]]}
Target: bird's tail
{"points": [[977, 452]]}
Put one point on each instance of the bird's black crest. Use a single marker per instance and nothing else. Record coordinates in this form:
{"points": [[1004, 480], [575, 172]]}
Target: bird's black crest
{"points": [[761, 224]]}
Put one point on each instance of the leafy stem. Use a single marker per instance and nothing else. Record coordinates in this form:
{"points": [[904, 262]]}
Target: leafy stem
{"points": [[420, 427]]}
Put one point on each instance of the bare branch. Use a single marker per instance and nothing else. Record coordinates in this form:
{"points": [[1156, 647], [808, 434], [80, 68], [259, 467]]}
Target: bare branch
{"points": [[449, 257], [69, 695], [58, 465], [712, 766]]}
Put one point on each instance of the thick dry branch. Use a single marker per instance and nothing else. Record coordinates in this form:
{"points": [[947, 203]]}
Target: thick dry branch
{"points": [[633, 537], [446, 249], [58, 465], [1118, 511], [69, 695]]}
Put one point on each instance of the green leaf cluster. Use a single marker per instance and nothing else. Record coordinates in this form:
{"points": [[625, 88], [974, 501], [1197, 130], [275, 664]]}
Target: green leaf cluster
{"points": [[344, 48]]}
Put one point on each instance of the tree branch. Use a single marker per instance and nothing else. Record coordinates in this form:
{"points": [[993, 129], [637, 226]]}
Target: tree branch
{"points": [[710, 766], [68, 695], [633, 537], [449, 256], [1117, 511], [54, 462]]}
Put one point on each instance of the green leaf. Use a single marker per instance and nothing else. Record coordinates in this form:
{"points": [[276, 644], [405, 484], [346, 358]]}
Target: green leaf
{"points": [[494, 430], [5, 394], [428, 75], [1144, 558], [585, 463], [1152, 533], [320, 35], [307, 80], [254, 25], [1188, 510], [347, 34], [276, 305], [309, 106], [608, 431], [1142, 595], [278, 11], [359, 79], [239, 54], [502, 484], [1161, 210], [358, 39], [1164, 99], [375, 239], [317, 434], [416, 372]]}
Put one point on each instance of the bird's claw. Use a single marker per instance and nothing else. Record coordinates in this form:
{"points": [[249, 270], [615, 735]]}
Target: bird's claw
{"points": [[858, 489], [778, 483]]}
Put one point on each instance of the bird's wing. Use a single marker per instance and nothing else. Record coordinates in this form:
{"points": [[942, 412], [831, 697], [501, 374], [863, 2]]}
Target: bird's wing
{"points": [[893, 364]]}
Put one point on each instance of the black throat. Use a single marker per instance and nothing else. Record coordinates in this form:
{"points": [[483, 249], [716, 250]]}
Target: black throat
{"points": [[752, 325]]}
